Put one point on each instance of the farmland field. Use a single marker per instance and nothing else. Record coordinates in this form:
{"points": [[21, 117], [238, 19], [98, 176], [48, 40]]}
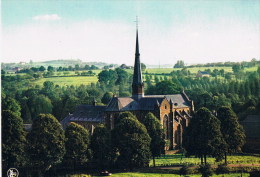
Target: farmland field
{"points": [[63, 81], [179, 159]]}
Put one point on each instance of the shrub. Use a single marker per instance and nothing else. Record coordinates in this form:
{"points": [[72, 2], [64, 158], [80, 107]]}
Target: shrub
{"points": [[205, 170], [184, 170], [222, 169], [255, 173]]}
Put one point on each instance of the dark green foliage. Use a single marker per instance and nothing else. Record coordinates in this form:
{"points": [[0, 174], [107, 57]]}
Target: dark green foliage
{"points": [[11, 104], [203, 136], [123, 115], [40, 104], [222, 169], [184, 170], [46, 142], [107, 97], [143, 66], [156, 133], [76, 144], [108, 77], [179, 64], [101, 147], [13, 140], [255, 173], [122, 76], [205, 170], [131, 139], [164, 88], [232, 131]]}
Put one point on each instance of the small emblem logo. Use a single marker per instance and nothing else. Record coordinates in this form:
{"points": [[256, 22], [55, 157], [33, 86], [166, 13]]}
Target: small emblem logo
{"points": [[12, 172]]}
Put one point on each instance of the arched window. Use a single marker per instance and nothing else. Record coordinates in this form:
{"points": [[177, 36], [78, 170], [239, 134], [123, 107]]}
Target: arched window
{"points": [[166, 126]]}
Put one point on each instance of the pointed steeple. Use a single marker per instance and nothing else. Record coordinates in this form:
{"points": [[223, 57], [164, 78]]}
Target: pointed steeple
{"points": [[137, 85]]}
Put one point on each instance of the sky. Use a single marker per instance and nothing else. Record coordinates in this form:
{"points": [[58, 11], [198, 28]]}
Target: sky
{"points": [[196, 31]]}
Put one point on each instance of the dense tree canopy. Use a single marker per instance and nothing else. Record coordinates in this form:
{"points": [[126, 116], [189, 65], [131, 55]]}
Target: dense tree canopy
{"points": [[203, 136], [101, 147], [131, 139], [76, 144], [13, 140], [155, 131], [46, 142], [232, 131]]}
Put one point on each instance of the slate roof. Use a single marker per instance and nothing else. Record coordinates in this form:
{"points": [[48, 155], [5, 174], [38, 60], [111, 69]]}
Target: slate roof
{"points": [[85, 113], [148, 102]]}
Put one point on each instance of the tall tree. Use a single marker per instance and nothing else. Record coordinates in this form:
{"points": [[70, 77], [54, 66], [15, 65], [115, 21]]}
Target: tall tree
{"points": [[156, 133], [232, 131], [40, 104], [101, 146], [46, 142], [203, 136], [11, 104], [76, 144], [13, 140], [131, 139]]}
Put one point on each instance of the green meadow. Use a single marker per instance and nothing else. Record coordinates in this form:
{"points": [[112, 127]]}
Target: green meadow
{"points": [[67, 81], [177, 159]]}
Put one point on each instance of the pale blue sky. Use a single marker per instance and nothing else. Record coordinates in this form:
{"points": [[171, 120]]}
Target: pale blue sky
{"points": [[193, 30]]}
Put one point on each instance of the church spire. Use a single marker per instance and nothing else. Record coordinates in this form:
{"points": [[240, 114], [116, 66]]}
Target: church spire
{"points": [[137, 85]]}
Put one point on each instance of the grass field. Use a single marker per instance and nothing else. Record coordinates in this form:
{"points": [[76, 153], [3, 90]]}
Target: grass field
{"points": [[63, 81], [178, 159], [136, 174]]}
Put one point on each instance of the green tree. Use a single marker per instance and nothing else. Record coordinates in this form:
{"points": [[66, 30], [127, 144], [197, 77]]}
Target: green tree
{"points": [[42, 68], [122, 76], [76, 145], [107, 97], [70, 104], [11, 104], [156, 133], [232, 131], [101, 146], [131, 139], [50, 68], [143, 66], [166, 87], [13, 140], [123, 115], [40, 104], [203, 136], [46, 142]]}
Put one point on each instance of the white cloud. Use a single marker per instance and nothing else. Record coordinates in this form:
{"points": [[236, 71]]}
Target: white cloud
{"points": [[47, 17]]}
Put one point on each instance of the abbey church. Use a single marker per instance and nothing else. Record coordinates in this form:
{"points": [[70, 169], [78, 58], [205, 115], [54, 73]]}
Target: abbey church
{"points": [[173, 111]]}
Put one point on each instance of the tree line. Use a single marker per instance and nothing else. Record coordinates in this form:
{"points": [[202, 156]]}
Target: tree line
{"points": [[47, 148]]}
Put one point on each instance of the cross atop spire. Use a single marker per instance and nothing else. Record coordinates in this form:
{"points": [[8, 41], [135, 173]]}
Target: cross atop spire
{"points": [[136, 21]]}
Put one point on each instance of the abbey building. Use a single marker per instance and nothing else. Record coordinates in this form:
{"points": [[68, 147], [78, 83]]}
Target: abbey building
{"points": [[173, 111]]}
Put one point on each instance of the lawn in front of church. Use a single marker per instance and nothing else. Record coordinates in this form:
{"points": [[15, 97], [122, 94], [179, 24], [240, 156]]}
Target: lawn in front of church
{"points": [[136, 174], [178, 159]]}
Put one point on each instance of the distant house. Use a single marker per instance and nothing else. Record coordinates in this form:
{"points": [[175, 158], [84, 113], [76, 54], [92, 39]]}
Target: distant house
{"points": [[17, 69], [251, 126], [202, 74]]}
